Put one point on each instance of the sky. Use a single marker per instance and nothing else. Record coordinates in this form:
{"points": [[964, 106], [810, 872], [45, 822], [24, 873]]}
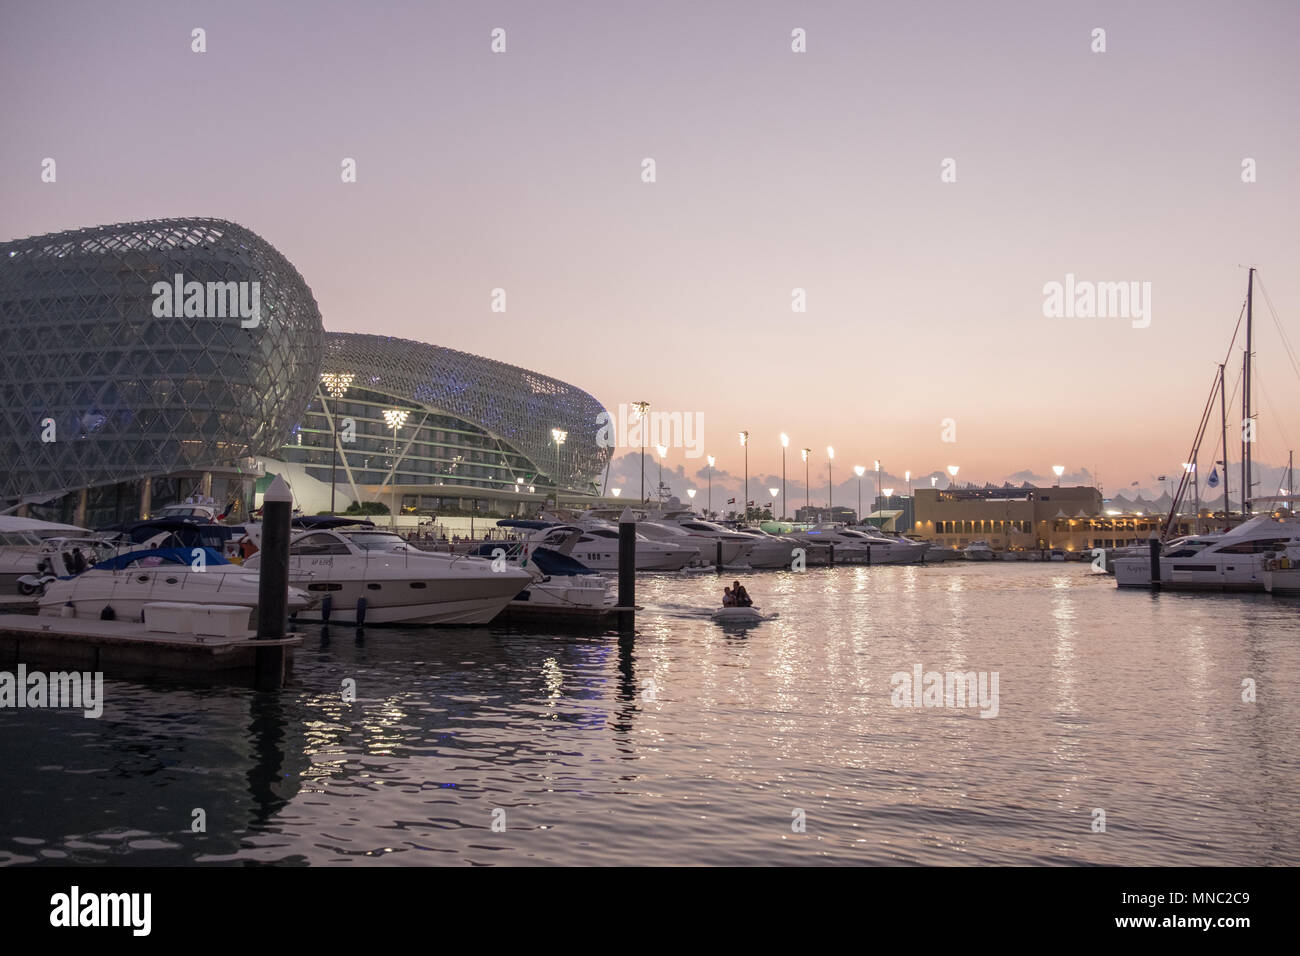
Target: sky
{"points": [[924, 340]]}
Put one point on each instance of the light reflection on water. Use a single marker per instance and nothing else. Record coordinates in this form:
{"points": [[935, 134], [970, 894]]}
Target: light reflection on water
{"points": [[695, 743]]}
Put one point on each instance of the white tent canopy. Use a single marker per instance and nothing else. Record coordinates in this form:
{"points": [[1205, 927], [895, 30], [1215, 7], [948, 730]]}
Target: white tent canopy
{"points": [[42, 529]]}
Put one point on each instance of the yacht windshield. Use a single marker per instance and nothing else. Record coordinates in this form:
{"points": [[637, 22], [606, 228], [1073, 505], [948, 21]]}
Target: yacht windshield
{"points": [[378, 541]]}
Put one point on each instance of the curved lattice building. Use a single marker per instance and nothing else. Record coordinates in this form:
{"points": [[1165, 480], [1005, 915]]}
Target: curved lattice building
{"points": [[164, 347], [472, 427]]}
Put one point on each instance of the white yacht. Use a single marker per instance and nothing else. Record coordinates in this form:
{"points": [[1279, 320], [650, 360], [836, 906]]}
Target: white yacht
{"points": [[597, 548], [891, 548], [707, 536], [24, 546], [562, 587], [399, 583], [1282, 572], [836, 544], [673, 533], [1233, 561], [770, 550], [119, 587], [978, 551]]}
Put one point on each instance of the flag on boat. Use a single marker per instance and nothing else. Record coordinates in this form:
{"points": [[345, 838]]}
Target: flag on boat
{"points": [[1160, 477], [1134, 484], [1213, 480], [731, 501]]}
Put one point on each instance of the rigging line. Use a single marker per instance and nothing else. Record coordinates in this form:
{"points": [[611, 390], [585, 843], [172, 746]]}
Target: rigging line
{"points": [[1286, 341], [1240, 315], [1277, 419]]}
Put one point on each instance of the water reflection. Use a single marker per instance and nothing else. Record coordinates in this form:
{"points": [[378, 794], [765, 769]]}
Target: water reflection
{"points": [[597, 745]]}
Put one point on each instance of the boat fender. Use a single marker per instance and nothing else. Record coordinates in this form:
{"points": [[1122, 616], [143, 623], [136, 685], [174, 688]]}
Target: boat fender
{"points": [[68, 610], [1286, 563], [326, 606], [108, 614], [361, 611]]}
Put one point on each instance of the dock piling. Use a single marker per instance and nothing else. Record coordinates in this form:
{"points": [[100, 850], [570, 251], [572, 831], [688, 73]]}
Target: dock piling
{"points": [[273, 585], [1154, 545], [626, 568]]}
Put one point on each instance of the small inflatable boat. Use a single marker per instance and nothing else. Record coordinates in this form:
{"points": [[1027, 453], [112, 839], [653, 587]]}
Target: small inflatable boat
{"points": [[739, 615]]}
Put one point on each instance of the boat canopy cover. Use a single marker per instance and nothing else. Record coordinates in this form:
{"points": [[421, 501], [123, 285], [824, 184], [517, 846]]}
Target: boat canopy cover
{"points": [[189, 532], [33, 526], [524, 523], [166, 556], [317, 522], [555, 564]]}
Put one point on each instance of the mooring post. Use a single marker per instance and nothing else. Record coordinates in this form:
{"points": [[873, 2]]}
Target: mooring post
{"points": [[717, 560], [626, 568], [273, 585], [1154, 545]]}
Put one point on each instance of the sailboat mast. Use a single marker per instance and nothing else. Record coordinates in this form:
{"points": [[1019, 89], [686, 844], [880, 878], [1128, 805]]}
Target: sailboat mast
{"points": [[1223, 420], [1247, 426]]}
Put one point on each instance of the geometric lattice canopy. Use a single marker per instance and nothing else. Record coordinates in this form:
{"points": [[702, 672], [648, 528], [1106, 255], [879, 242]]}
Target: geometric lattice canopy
{"points": [[131, 393], [513, 404]]}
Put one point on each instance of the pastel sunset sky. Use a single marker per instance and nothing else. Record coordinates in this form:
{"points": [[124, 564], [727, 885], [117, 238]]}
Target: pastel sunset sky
{"points": [[775, 170]]}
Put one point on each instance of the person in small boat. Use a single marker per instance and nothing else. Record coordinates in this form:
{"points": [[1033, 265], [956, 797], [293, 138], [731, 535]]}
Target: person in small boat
{"points": [[728, 598], [742, 596]]}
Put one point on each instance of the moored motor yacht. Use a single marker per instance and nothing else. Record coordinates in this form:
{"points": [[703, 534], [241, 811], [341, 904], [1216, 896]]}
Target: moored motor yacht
{"points": [[372, 576], [1282, 572], [1233, 561], [716, 542], [25, 544], [889, 548], [838, 546], [119, 587], [978, 551], [562, 588], [597, 548]]}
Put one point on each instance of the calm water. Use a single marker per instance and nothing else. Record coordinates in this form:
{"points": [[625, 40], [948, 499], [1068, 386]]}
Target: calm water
{"points": [[696, 745]]}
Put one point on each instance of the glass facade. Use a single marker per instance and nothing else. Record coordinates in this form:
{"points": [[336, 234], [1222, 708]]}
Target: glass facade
{"points": [[470, 422], [97, 387]]}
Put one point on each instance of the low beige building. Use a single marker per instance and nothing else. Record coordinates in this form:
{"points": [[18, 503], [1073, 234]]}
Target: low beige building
{"points": [[1072, 519]]}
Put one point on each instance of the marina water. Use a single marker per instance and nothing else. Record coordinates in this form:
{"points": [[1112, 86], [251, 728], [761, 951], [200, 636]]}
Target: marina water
{"points": [[695, 744]]}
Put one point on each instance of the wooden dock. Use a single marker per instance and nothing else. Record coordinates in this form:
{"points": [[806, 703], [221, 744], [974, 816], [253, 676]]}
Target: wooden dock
{"points": [[126, 649]]}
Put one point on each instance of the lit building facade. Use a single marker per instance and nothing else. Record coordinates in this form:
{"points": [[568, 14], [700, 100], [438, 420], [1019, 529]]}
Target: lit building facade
{"points": [[472, 434], [121, 384], [135, 374]]}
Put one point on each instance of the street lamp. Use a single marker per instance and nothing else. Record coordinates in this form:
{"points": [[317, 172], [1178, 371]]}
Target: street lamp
{"points": [[640, 409], [744, 443], [663, 451], [952, 474], [772, 492], [934, 480], [396, 418], [830, 481], [1059, 470], [558, 435], [690, 493], [877, 484], [711, 460], [337, 385], [807, 482], [785, 443], [907, 477], [859, 470], [616, 491]]}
